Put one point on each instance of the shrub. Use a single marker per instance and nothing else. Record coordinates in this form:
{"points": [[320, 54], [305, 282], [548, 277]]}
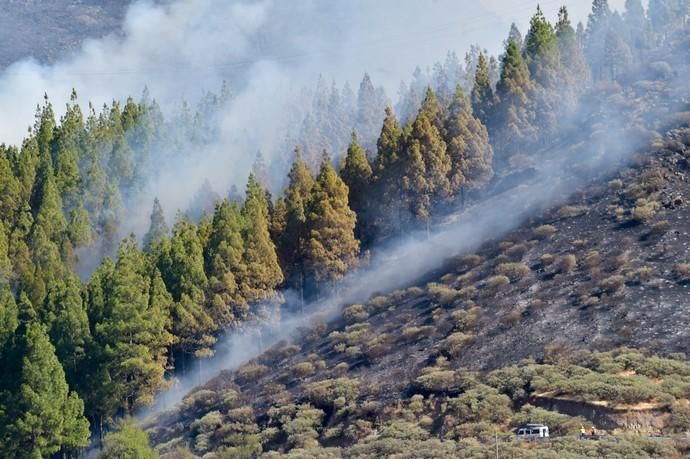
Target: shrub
{"points": [[482, 403], [644, 210], [514, 315], [497, 282], [443, 294], [454, 343], [681, 271], [303, 369], [379, 303], [661, 228], [592, 259], [545, 231], [355, 313], [567, 263], [514, 271], [470, 261], [547, 259], [616, 184], [679, 420], [612, 284], [517, 251], [466, 278], [438, 380], [413, 333], [323, 393], [571, 211], [466, 320]]}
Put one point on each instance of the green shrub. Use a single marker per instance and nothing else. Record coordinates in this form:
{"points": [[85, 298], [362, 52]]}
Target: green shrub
{"points": [[324, 393]]}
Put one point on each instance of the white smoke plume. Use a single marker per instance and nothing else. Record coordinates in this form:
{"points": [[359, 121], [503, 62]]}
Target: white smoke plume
{"points": [[267, 50]]}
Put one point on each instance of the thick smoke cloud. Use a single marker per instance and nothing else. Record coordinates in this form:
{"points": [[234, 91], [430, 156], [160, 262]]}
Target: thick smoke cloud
{"points": [[267, 50]]}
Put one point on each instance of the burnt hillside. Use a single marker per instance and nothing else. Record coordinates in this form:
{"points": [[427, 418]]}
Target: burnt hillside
{"points": [[606, 270], [47, 29]]}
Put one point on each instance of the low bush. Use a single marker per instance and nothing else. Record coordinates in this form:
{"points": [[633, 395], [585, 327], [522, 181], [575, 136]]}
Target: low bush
{"points": [[612, 284], [355, 313], [497, 282], [567, 263], [515, 271], [545, 231]]}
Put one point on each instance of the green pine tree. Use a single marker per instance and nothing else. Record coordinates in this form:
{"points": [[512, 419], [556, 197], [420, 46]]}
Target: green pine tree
{"points": [[158, 229], [514, 117], [224, 264], [262, 273], [482, 91], [471, 154], [42, 415], [357, 173], [331, 247]]}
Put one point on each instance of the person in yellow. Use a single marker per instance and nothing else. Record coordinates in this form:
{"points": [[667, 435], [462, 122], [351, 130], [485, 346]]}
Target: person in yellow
{"points": [[583, 432]]}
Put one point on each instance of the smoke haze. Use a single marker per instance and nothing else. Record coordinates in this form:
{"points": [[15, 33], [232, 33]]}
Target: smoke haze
{"points": [[267, 51]]}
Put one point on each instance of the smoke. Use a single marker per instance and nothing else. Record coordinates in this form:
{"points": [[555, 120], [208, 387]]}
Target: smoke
{"points": [[268, 51]]}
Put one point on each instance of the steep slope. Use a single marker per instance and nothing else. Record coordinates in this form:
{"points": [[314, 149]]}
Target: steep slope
{"points": [[608, 269]]}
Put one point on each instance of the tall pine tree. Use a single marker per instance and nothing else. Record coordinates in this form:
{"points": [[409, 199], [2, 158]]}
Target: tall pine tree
{"points": [[331, 247]]}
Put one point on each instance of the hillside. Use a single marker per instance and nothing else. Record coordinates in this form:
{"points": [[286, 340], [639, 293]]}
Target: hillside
{"points": [[548, 315], [48, 29], [508, 245]]}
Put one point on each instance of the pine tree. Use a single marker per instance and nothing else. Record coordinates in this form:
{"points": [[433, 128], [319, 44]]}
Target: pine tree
{"points": [[223, 261], [431, 108], [296, 197], [49, 210], [356, 172], [260, 170], [470, 152], [331, 247], [388, 171], [595, 36], [513, 121], [79, 229], [10, 191], [370, 106], [515, 36], [158, 229], [131, 333], [42, 416], [262, 273], [66, 153], [617, 55], [574, 67], [541, 51], [9, 317], [68, 326], [660, 14], [482, 91], [426, 168], [127, 441], [636, 26], [181, 263]]}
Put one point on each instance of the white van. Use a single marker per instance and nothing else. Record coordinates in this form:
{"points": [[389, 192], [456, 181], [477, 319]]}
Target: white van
{"points": [[533, 432]]}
